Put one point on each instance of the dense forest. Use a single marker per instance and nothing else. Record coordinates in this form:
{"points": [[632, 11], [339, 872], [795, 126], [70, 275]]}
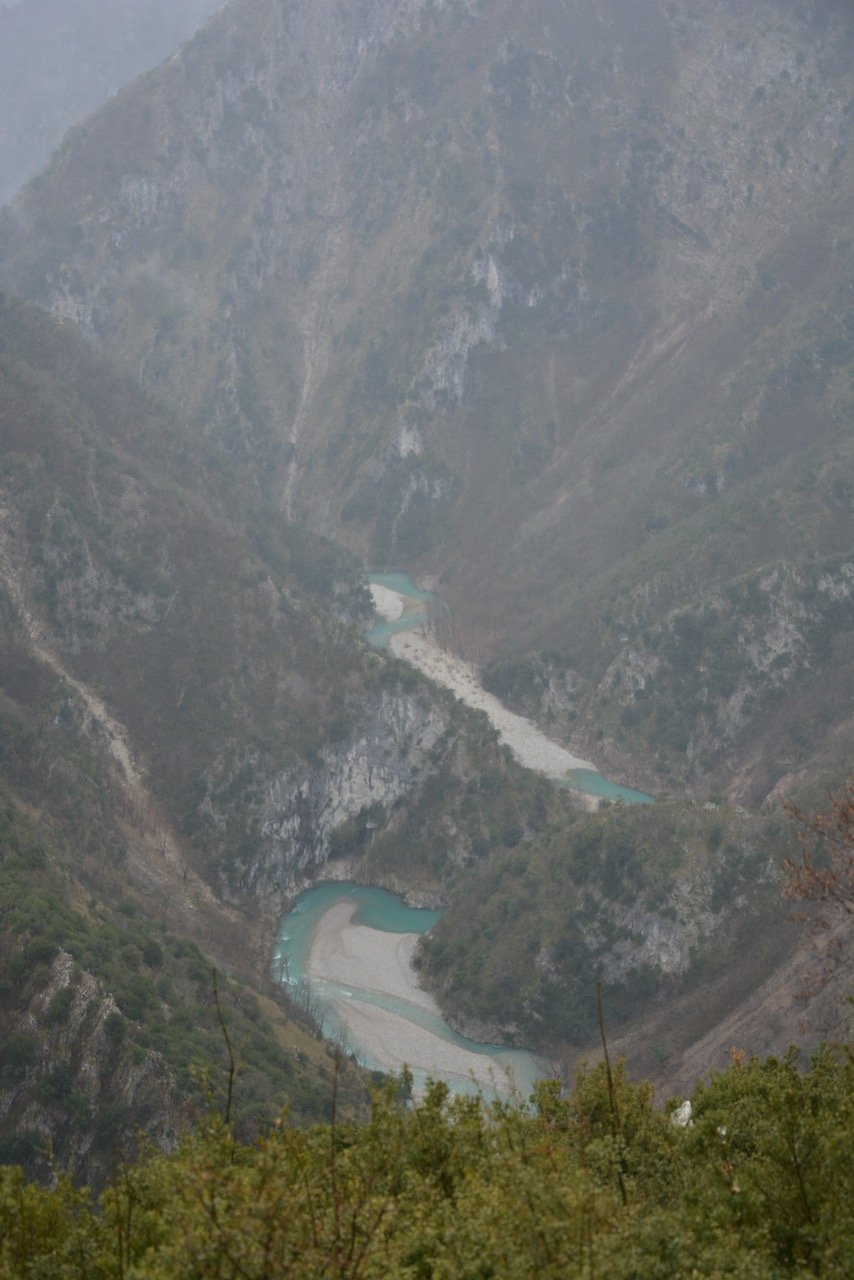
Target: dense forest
{"points": [[757, 1183]]}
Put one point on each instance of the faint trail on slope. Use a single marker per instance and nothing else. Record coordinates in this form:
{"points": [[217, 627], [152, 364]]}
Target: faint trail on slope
{"points": [[157, 857], [315, 330], [117, 743]]}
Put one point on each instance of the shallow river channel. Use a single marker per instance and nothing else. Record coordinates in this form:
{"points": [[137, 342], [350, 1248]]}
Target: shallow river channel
{"points": [[345, 951], [403, 628]]}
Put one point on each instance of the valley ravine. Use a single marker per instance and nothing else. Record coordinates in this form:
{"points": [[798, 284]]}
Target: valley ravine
{"points": [[346, 951]]}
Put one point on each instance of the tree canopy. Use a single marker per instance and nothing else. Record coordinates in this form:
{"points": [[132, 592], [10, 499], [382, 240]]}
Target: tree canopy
{"points": [[599, 1182]]}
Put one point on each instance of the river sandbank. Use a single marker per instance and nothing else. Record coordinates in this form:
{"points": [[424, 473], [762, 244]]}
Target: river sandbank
{"points": [[356, 956], [528, 743], [388, 604], [360, 959]]}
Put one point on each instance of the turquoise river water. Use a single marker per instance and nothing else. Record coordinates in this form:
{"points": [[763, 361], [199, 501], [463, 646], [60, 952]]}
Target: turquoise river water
{"points": [[377, 909], [415, 603]]}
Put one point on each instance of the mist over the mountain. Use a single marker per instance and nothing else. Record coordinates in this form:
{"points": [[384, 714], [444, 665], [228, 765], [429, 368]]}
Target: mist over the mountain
{"points": [[551, 301], [60, 59], [548, 305]]}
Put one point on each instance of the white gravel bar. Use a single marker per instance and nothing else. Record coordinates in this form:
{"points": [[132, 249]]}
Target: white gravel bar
{"points": [[366, 960], [388, 604], [392, 1040], [356, 956], [528, 743]]}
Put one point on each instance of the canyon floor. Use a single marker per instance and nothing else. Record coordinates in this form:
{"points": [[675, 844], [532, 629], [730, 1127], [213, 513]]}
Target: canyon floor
{"points": [[529, 744], [349, 961]]}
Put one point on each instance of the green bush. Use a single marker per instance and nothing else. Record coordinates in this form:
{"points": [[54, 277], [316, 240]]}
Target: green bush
{"points": [[597, 1182], [18, 1054]]}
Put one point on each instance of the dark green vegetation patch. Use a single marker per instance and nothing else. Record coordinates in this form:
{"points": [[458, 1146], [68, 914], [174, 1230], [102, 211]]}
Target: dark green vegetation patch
{"points": [[759, 1185]]}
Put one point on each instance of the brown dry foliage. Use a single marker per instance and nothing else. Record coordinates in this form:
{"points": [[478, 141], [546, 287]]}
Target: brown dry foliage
{"points": [[825, 872], [823, 878]]}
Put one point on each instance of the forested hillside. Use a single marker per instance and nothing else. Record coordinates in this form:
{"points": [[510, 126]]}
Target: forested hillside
{"points": [[759, 1183]]}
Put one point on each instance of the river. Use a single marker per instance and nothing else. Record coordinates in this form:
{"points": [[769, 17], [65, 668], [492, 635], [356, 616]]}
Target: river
{"points": [[345, 952], [403, 611]]}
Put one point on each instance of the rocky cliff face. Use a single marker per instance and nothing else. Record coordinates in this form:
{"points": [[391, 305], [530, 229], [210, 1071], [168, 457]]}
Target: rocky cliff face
{"points": [[305, 814], [549, 300], [68, 1068], [684, 697]]}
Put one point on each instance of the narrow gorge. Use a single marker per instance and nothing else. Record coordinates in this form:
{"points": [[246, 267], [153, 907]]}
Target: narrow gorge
{"points": [[357, 975]]}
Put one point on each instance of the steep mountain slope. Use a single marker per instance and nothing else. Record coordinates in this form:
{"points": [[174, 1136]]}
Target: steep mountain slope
{"points": [[218, 662], [106, 1000], [60, 59], [675, 910], [108, 1017], [551, 300], [190, 726]]}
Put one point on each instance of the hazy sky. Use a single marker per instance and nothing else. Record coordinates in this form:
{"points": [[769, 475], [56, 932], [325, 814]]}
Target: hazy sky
{"points": [[60, 59]]}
